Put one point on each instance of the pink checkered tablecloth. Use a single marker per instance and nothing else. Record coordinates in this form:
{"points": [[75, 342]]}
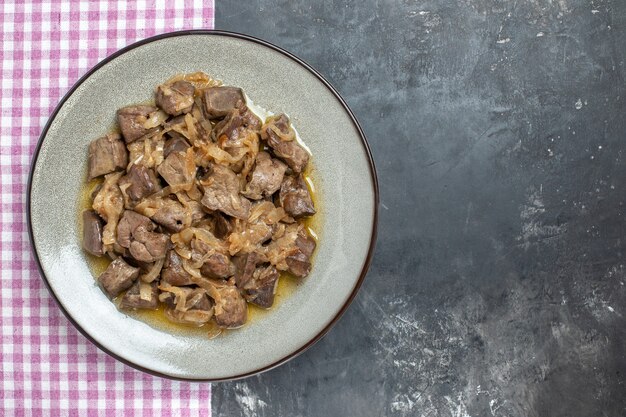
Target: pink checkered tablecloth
{"points": [[47, 367]]}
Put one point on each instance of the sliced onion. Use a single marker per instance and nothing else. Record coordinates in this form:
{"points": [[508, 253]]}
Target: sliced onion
{"points": [[215, 153], [211, 287], [180, 295], [259, 209], [278, 250], [275, 215], [191, 127], [183, 252], [149, 206], [194, 300], [279, 231], [194, 193], [154, 271], [206, 236], [235, 202], [156, 132], [145, 291], [183, 237], [199, 80], [192, 317], [156, 118], [194, 272], [214, 331], [179, 129], [288, 137]]}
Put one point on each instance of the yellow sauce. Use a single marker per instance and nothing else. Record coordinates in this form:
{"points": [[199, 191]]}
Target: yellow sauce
{"points": [[287, 284]]}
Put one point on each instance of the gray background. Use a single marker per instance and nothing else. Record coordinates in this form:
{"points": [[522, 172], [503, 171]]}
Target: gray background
{"points": [[497, 286]]}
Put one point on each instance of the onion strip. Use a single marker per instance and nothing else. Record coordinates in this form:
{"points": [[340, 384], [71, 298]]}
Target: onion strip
{"points": [[145, 291], [154, 271], [156, 118]]}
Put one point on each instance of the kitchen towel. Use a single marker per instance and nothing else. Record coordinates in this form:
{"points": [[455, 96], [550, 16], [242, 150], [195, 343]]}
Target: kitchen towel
{"points": [[47, 367]]}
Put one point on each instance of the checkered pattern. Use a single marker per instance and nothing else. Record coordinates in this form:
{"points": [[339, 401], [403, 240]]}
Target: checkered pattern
{"points": [[47, 368]]}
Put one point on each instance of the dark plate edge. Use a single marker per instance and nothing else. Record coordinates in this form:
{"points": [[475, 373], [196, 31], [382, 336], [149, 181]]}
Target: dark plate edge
{"points": [[374, 178]]}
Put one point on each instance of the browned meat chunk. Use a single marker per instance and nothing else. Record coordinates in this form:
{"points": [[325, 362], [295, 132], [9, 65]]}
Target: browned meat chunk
{"points": [[231, 309], [175, 98], [129, 222], [282, 139], [118, 277], [177, 143], [148, 246], [305, 243], [140, 182], [221, 192], [106, 155], [236, 121], [290, 152], [217, 266], [92, 233], [132, 119], [223, 227], [178, 168], [142, 296], [299, 262], [262, 288], [266, 177], [245, 264], [135, 232], [170, 214], [295, 198], [218, 101], [173, 272]]}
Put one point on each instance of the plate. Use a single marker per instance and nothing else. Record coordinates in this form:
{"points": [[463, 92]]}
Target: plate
{"points": [[343, 172]]}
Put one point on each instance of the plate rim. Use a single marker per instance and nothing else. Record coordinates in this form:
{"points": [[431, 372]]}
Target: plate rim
{"points": [[293, 57]]}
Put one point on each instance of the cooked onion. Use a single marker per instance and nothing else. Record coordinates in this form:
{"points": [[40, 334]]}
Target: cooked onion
{"points": [[183, 237], [147, 150], [154, 271], [209, 151], [275, 215], [195, 299], [109, 204], [213, 330], [193, 317], [285, 137], [191, 128], [199, 80], [180, 295], [194, 272], [183, 252], [145, 291], [156, 118]]}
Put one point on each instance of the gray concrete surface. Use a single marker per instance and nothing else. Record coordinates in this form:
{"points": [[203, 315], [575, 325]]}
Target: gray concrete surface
{"points": [[499, 132]]}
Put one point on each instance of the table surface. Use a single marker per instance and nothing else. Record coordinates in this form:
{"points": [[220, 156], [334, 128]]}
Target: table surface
{"points": [[497, 286]]}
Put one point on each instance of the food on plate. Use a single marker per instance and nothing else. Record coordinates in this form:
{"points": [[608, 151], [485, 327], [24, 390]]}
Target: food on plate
{"points": [[201, 205]]}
